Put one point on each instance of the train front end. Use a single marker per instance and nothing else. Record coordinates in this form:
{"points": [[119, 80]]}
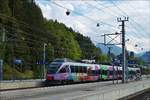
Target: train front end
{"points": [[51, 72]]}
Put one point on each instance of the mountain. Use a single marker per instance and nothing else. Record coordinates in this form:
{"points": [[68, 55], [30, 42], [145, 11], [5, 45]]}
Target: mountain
{"points": [[139, 54], [115, 49], [146, 56]]}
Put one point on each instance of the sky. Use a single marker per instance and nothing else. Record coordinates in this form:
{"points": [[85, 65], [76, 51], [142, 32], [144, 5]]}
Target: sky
{"points": [[86, 14]]}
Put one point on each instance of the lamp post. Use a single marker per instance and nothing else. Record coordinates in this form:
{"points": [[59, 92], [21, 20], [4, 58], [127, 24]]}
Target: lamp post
{"points": [[44, 58]]}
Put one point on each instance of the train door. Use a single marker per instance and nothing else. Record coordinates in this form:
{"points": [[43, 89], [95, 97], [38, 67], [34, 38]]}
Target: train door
{"points": [[84, 73], [81, 71], [104, 72], [73, 72], [89, 73], [110, 74]]}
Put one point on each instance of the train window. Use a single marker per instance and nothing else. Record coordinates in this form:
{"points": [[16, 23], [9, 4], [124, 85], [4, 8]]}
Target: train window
{"points": [[115, 72], [134, 72], [84, 69], [89, 71], [76, 69], [94, 72], [80, 69], [138, 71], [52, 69], [111, 72], [119, 72], [104, 72], [72, 68], [130, 72], [99, 71], [65, 69]]}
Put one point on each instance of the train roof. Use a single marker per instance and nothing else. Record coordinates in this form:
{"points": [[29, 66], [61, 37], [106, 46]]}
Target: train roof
{"points": [[80, 64], [62, 60], [132, 68], [93, 66]]}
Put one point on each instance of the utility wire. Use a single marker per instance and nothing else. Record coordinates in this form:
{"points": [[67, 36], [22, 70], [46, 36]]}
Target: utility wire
{"points": [[114, 28], [130, 22], [23, 33], [14, 20], [81, 14], [128, 15], [119, 14], [132, 25]]}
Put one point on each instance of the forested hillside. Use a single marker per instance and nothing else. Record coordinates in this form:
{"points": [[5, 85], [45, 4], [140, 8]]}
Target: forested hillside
{"points": [[24, 33]]}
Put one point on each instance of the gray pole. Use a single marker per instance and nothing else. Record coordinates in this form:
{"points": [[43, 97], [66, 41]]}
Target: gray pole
{"points": [[1, 69], [113, 73], [123, 52], [44, 49], [3, 31], [117, 73], [1, 59], [123, 48]]}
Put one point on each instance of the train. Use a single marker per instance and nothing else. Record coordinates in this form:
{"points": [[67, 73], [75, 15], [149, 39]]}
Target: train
{"points": [[67, 71]]}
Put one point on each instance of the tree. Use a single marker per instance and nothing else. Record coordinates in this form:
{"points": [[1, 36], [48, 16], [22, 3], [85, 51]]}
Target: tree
{"points": [[4, 8]]}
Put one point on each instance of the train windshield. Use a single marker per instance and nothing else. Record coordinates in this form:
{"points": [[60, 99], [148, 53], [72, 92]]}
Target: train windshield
{"points": [[52, 69]]}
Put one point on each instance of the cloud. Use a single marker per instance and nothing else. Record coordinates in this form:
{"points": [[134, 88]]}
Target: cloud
{"points": [[86, 14]]}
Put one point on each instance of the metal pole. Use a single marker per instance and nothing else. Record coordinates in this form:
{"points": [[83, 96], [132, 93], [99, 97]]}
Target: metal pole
{"points": [[123, 48], [1, 60], [3, 38], [117, 74], [113, 74], [13, 66], [44, 49], [123, 52], [1, 69], [127, 71]]}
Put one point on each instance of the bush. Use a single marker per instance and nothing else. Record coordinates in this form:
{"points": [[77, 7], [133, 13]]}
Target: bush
{"points": [[11, 73], [28, 74], [7, 72]]}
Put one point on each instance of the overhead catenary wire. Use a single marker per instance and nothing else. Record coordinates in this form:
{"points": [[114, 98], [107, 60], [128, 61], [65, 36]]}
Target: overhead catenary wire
{"points": [[138, 35], [82, 15], [23, 33], [114, 16], [112, 11], [130, 18], [100, 9], [135, 32], [125, 14]]}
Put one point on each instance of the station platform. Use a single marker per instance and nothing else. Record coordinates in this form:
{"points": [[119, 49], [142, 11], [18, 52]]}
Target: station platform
{"points": [[88, 91]]}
